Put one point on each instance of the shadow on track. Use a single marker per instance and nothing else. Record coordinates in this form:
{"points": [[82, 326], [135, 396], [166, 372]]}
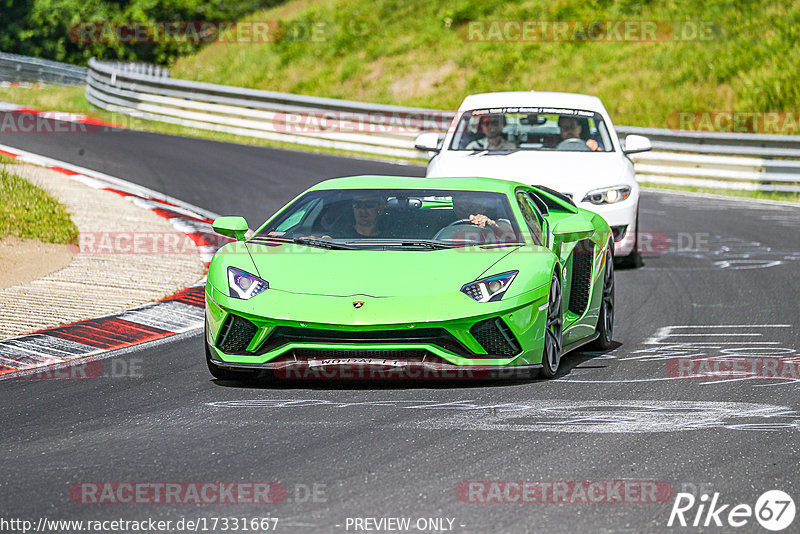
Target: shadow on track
{"points": [[266, 380], [578, 358]]}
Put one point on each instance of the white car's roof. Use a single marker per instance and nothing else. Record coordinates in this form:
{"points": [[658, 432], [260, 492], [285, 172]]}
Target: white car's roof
{"points": [[533, 99]]}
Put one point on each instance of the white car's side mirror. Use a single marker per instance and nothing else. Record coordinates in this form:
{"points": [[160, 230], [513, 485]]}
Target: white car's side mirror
{"points": [[429, 141], [636, 143]]}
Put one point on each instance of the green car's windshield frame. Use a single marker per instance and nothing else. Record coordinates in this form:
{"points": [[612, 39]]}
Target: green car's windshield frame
{"points": [[427, 219]]}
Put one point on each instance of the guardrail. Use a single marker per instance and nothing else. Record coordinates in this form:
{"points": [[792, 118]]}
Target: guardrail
{"points": [[703, 159], [14, 68], [322, 122]]}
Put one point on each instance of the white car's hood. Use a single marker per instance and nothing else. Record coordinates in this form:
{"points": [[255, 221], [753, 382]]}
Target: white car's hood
{"points": [[569, 172]]}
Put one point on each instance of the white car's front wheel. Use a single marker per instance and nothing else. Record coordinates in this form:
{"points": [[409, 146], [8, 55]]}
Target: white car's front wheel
{"points": [[634, 259]]}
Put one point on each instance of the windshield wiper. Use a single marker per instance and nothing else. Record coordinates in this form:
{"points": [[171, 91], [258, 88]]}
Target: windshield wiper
{"points": [[308, 241], [427, 243], [321, 243], [487, 152]]}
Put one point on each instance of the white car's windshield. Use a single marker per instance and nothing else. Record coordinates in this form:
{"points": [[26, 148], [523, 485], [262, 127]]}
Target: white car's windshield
{"points": [[512, 129]]}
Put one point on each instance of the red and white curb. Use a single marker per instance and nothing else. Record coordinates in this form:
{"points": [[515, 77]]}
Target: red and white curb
{"points": [[7, 124], [176, 314]]}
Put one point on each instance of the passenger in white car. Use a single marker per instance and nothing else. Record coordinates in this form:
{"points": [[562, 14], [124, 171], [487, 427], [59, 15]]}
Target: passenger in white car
{"points": [[494, 140]]}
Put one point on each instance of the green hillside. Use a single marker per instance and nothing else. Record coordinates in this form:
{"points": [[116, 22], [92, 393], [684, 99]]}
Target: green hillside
{"points": [[421, 53]]}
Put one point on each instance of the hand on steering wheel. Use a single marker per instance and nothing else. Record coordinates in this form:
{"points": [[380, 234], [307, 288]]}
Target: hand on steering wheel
{"points": [[481, 220], [449, 231], [474, 220], [574, 144]]}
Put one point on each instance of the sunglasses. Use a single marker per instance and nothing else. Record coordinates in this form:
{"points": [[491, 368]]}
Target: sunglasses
{"points": [[369, 204]]}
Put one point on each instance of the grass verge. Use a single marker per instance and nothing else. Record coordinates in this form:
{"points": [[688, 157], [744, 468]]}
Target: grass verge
{"points": [[29, 212]]}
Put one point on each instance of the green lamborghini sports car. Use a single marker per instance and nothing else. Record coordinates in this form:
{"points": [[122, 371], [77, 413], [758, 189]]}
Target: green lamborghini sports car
{"points": [[381, 276]]}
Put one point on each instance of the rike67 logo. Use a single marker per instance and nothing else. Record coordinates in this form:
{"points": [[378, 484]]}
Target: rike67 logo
{"points": [[774, 510]]}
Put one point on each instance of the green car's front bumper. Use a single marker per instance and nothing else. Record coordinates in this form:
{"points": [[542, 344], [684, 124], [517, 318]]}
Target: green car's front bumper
{"points": [[450, 333]]}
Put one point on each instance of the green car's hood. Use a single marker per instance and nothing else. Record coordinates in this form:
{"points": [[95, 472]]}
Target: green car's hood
{"points": [[315, 271]]}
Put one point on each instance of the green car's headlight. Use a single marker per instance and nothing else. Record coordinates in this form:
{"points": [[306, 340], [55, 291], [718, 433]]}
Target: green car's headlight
{"points": [[489, 289], [243, 285], [608, 195]]}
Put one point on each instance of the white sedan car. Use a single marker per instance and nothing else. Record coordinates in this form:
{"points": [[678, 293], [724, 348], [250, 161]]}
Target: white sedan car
{"points": [[563, 141]]}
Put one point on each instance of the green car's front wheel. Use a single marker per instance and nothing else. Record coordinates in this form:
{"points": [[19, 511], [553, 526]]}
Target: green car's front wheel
{"points": [[634, 259], [605, 321], [553, 343]]}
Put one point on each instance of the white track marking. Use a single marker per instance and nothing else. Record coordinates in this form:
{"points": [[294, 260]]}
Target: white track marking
{"points": [[611, 416], [705, 335], [748, 203], [672, 345], [667, 331]]}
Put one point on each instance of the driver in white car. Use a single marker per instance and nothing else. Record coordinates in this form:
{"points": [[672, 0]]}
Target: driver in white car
{"points": [[572, 129]]}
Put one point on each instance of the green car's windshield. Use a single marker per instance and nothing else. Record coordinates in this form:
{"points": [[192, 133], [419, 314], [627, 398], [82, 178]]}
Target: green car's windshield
{"points": [[404, 218]]}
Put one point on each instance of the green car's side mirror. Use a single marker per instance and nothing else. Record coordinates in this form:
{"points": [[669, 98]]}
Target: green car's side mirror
{"points": [[234, 227]]}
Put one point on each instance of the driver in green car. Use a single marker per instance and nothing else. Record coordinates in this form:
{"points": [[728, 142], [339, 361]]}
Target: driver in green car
{"points": [[367, 211], [572, 129], [366, 221], [471, 208]]}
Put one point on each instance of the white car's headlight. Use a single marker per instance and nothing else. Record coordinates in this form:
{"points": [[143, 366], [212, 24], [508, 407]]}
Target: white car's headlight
{"points": [[491, 288], [608, 195], [243, 285]]}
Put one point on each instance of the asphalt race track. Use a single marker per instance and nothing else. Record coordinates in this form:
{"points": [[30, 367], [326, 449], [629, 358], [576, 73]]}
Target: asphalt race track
{"points": [[720, 282]]}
